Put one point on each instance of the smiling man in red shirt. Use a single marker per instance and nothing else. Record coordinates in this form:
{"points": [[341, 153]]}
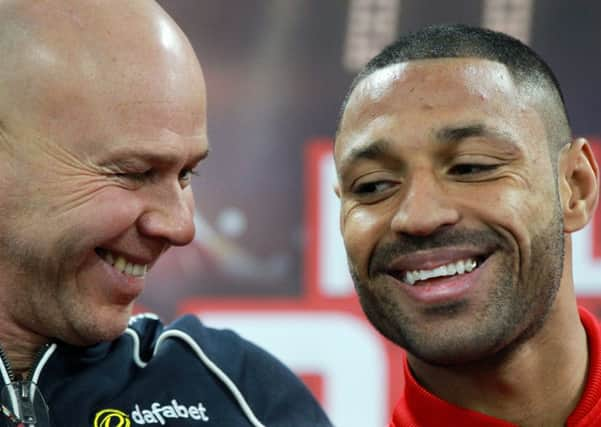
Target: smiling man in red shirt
{"points": [[460, 184]]}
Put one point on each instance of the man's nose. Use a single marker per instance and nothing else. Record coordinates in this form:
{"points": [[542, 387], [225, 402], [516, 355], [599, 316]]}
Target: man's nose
{"points": [[170, 216], [425, 207]]}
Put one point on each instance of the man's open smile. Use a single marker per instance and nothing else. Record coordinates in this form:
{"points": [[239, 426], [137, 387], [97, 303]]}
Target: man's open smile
{"points": [[440, 275], [121, 263], [424, 266], [455, 268]]}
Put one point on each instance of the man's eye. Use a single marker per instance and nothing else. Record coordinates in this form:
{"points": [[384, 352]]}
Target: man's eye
{"points": [[369, 188], [471, 168], [185, 176], [135, 176]]}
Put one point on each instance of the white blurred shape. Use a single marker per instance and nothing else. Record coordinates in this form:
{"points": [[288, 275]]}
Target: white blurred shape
{"points": [[334, 278], [232, 222], [587, 269]]}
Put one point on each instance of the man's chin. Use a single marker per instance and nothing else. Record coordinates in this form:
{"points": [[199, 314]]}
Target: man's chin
{"points": [[99, 328], [439, 348]]}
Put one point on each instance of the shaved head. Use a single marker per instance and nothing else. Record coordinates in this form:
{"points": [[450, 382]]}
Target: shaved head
{"points": [[102, 120], [60, 57]]}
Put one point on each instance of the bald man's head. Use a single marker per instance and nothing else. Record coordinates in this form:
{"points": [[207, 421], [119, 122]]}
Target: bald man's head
{"points": [[102, 120], [60, 58]]}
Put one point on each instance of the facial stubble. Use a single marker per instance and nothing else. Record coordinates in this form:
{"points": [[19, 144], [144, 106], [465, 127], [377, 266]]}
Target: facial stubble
{"points": [[515, 309]]}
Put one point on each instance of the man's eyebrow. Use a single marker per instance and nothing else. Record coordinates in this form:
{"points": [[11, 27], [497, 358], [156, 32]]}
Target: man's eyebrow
{"points": [[160, 156], [454, 134], [372, 151], [381, 148]]}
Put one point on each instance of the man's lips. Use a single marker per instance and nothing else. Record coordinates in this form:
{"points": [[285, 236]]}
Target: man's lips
{"points": [[424, 266], [124, 263], [451, 269], [432, 287]]}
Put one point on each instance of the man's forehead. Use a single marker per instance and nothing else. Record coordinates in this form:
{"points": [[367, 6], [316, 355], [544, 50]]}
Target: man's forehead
{"points": [[409, 77], [412, 83], [186, 117], [422, 100], [152, 132]]}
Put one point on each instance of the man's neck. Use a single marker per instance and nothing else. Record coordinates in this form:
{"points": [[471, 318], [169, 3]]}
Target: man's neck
{"points": [[20, 347], [540, 382]]}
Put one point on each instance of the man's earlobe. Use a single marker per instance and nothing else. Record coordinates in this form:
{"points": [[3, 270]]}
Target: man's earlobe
{"points": [[578, 184], [337, 189]]}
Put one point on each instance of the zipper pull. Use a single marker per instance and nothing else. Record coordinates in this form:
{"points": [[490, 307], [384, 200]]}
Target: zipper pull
{"points": [[23, 404], [27, 409]]}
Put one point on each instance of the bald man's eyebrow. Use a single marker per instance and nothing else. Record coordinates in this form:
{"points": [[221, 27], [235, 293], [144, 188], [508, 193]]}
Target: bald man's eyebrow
{"points": [[166, 157], [132, 155]]}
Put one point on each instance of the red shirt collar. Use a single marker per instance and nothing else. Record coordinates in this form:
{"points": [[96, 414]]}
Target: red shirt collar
{"points": [[418, 407], [588, 411]]}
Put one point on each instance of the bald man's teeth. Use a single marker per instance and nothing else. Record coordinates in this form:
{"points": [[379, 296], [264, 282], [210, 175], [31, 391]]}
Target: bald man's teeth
{"points": [[122, 265], [460, 267], [129, 268]]}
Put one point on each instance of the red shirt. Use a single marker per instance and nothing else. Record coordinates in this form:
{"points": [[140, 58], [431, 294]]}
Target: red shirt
{"points": [[419, 408]]}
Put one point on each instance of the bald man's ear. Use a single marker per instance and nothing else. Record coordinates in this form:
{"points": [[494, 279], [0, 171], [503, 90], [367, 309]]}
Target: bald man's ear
{"points": [[578, 184], [337, 189]]}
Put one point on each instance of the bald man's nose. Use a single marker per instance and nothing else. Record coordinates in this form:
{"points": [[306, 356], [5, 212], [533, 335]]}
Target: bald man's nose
{"points": [[425, 208], [170, 218]]}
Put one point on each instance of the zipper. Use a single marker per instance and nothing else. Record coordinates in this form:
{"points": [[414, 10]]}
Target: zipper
{"points": [[7, 370], [22, 393]]}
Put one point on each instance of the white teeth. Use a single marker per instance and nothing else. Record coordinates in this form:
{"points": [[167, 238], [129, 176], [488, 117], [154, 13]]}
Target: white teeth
{"points": [[139, 270], [459, 267], [440, 271], [452, 269], [120, 264]]}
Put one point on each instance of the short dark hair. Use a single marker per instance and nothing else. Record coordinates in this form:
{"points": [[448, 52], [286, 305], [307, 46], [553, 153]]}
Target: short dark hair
{"points": [[462, 41]]}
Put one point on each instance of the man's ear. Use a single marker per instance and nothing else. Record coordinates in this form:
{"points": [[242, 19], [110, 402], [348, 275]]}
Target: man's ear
{"points": [[578, 184], [337, 189]]}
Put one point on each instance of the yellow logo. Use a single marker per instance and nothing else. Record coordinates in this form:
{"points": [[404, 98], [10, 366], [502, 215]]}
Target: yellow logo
{"points": [[111, 418]]}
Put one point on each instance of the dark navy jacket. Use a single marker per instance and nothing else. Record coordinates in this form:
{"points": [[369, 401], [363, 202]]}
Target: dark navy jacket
{"points": [[183, 375]]}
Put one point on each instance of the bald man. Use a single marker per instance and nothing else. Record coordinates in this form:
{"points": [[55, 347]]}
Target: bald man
{"points": [[102, 124]]}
